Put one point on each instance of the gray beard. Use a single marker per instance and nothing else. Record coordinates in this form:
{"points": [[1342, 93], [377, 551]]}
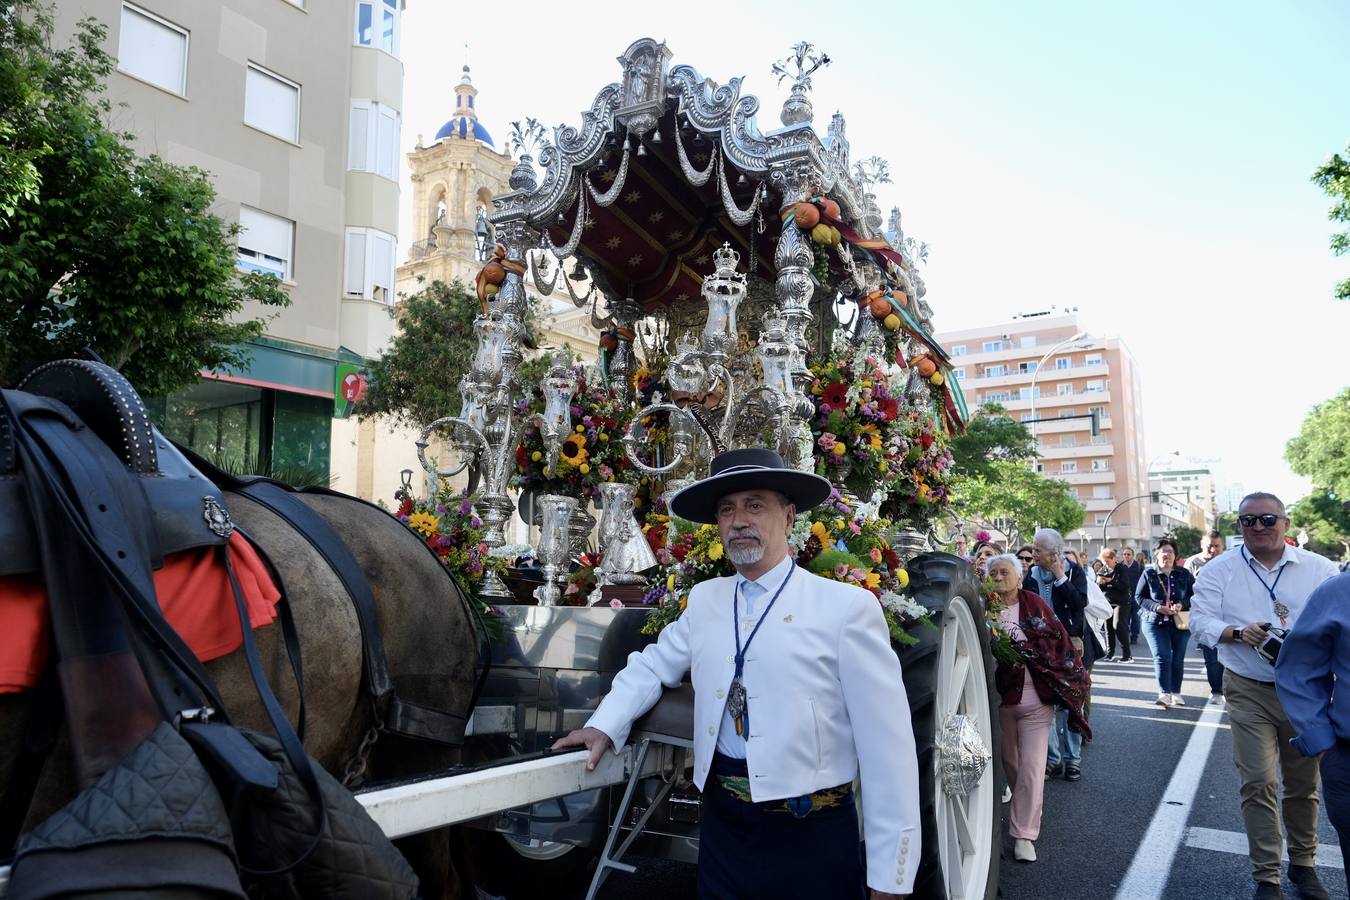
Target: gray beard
{"points": [[746, 556]]}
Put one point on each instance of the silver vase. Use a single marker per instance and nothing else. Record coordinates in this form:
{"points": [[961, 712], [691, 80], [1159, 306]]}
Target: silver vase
{"points": [[624, 550], [555, 513], [909, 543], [579, 528]]}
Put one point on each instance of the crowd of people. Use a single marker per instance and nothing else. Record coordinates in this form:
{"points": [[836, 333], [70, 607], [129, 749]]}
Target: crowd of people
{"points": [[1273, 623]]}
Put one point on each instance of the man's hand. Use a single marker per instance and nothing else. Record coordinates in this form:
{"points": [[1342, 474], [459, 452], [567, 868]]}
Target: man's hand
{"points": [[1254, 635], [1057, 567], [882, 895], [593, 739]]}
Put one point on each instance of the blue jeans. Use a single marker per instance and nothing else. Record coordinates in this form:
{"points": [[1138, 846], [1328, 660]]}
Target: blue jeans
{"points": [[1168, 644], [1213, 669], [1336, 794], [1066, 746], [1134, 623]]}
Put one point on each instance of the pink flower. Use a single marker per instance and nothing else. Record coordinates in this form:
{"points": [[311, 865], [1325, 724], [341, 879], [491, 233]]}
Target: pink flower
{"points": [[616, 603], [855, 527], [876, 555], [983, 535], [841, 570], [826, 441], [857, 574]]}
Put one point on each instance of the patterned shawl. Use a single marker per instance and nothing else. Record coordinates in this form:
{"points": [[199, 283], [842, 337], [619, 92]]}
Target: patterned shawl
{"points": [[1052, 659]]}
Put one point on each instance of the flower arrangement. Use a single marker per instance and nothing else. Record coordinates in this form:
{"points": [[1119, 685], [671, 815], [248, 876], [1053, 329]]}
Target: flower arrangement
{"points": [[1000, 642], [856, 426], [695, 554], [448, 525], [922, 488], [592, 454]]}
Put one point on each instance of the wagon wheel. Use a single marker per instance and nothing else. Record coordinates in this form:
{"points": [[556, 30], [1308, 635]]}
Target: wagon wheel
{"points": [[950, 674]]}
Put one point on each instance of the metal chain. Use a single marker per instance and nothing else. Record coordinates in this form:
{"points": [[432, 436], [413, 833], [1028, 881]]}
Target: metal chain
{"points": [[356, 766]]}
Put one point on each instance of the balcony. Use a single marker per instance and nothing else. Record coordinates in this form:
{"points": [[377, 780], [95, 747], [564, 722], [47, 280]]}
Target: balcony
{"points": [[1084, 477], [1060, 426], [1016, 378], [1056, 451], [1046, 401]]}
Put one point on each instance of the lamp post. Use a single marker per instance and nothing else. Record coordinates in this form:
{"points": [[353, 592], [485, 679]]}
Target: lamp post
{"points": [[1037, 374]]}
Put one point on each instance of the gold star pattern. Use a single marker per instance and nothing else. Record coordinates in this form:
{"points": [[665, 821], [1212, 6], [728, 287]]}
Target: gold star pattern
{"points": [[608, 176], [635, 260], [681, 297], [632, 197], [700, 159], [675, 235], [702, 260], [656, 217], [613, 243]]}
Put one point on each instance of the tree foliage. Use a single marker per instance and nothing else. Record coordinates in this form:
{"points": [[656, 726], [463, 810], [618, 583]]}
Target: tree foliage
{"points": [[1318, 451], [991, 436], [1333, 176], [417, 379], [1188, 540], [1327, 522], [99, 247], [1019, 496]]}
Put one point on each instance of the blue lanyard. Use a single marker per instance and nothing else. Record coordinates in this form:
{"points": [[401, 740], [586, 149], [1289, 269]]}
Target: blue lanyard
{"points": [[1270, 588], [736, 620]]}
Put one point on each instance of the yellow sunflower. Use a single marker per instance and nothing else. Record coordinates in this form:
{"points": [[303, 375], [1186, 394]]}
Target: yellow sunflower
{"points": [[873, 435], [574, 450], [424, 523]]}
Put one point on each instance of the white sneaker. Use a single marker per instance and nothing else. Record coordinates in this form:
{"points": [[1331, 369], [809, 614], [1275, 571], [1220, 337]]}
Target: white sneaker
{"points": [[1007, 794], [1216, 698], [1024, 850], [1164, 700], [1178, 700]]}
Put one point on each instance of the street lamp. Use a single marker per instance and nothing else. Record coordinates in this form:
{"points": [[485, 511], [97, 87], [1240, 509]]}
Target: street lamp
{"points": [[1037, 374]]}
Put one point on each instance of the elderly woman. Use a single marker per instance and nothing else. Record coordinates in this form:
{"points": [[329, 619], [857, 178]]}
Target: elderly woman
{"points": [[1115, 584], [1164, 598], [1040, 671]]}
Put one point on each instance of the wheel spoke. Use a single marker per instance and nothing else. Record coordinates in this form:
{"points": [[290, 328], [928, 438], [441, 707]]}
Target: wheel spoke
{"points": [[960, 678], [960, 816], [954, 870]]}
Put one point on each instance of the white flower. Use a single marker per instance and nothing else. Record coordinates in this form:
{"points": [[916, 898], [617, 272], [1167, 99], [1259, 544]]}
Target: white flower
{"points": [[903, 605], [509, 551]]}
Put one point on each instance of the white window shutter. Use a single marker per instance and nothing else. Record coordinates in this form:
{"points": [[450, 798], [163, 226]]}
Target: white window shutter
{"points": [[152, 49], [387, 164], [381, 267], [272, 104], [356, 263], [358, 142]]}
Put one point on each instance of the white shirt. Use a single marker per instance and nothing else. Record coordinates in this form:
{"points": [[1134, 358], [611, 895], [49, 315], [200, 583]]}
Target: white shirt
{"points": [[826, 704], [754, 594], [1228, 592]]}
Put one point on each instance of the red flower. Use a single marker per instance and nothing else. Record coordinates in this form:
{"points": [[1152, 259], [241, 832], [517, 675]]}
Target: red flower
{"points": [[892, 560], [835, 393], [887, 408], [522, 458], [656, 537], [405, 508]]}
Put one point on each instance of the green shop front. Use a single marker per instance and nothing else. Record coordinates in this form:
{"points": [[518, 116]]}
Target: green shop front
{"points": [[274, 417]]}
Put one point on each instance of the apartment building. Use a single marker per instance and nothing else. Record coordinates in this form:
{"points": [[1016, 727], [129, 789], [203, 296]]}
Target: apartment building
{"points": [[1045, 367], [1195, 483], [293, 107], [1171, 509]]}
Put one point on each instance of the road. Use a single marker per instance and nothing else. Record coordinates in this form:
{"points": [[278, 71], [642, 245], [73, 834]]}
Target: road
{"points": [[1097, 830]]}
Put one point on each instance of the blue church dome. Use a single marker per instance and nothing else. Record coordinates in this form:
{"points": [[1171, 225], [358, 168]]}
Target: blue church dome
{"points": [[463, 126]]}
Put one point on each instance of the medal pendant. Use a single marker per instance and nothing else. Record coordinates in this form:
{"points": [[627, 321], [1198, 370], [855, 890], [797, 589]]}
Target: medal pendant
{"points": [[1282, 611], [736, 705]]}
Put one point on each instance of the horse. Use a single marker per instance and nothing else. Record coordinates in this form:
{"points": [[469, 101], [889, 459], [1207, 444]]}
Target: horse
{"points": [[430, 641]]}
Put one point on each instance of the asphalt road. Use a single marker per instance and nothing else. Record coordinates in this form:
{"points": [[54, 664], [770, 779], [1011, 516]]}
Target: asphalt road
{"points": [[1092, 829]]}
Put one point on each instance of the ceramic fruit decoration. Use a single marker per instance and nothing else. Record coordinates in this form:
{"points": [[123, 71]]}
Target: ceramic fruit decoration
{"points": [[821, 234], [926, 366], [830, 208], [493, 273], [881, 307], [937, 380], [609, 341], [806, 215], [892, 322]]}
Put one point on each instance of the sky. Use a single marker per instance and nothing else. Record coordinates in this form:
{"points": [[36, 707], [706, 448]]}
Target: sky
{"points": [[1147, 162]]}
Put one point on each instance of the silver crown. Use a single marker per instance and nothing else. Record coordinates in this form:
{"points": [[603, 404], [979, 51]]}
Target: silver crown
{"points": [[725, 263]]}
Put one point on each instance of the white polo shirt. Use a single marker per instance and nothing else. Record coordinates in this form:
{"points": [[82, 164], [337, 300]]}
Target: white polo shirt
{"points": [[1230, 590]]}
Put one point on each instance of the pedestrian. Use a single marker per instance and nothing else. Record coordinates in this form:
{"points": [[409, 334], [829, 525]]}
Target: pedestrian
{"points": [[1072, 556], [1046, 672], [959, 544], [1240, 597], [984, 551], [1026, 557], [796, 690], [1314, 659], [1164, 597], [1063, 586], [1115, 585], [1212, 546], [1134, 570]]}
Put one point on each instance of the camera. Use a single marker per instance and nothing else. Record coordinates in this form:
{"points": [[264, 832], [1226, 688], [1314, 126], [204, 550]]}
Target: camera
{"points": [[1270, 647]]}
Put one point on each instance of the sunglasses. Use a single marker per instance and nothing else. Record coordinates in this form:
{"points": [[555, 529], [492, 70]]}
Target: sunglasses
{"points": [[1024, 558], [1266, 519]]}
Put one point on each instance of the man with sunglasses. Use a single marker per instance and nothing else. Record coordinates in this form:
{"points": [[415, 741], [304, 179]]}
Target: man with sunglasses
{"points": [[1243, 602]]}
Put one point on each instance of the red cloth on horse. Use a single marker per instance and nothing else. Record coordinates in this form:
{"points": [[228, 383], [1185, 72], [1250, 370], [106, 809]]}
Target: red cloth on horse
{"points": [[194, 593]]}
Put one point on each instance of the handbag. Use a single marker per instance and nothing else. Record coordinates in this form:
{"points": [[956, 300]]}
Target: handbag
{"points": [[1182, 620]]}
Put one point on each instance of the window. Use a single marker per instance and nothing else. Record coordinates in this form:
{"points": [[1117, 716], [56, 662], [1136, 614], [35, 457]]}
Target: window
{"points": [[1027, 417], [1101, 492], [1099, 410], [1063, 362], [373, 141], [997, 397], [1068, 440], [370, 265], [1068, 467], [959, 350], [377, 24], [1040, 467], [1157, 520], [1096, 386], [959, 372], [1067, 414], [1064, 390], [1026, 367], [1101, 465], [1092, 359], [1099, 521], [1028, 340], [992, 346], [266, 243], [272, 104], [153, 49], [995, 371]]}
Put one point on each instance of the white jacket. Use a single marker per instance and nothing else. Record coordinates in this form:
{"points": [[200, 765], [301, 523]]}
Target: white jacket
{"points": [[825, 698]]}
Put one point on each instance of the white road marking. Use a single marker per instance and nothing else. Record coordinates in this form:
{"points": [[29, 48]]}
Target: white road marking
{"points": [[1236, 842], [1148, 873]]}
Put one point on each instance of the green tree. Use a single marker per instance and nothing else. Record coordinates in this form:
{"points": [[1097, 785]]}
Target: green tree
{"points": [[1226, 523], [1319, 450], [99, 247], [1188, 540], [1327, 521], [991, 436], [1020, 497], [1333, 176], [417, 379]]}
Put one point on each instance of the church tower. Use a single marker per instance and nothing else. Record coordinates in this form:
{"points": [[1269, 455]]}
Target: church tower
{"points": [[453, 182]]}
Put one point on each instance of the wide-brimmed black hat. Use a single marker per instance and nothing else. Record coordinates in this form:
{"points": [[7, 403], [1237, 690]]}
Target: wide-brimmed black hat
{"points": [[746, 470]]}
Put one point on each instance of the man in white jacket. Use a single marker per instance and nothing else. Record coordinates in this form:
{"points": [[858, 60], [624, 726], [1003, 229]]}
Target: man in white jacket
{"points": [[796, 690]]}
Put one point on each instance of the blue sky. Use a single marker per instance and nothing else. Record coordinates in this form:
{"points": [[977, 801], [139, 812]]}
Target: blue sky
{"points": [[1146, 162]]}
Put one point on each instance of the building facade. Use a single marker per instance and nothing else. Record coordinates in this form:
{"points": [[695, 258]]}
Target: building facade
{"points": [[293, 107], [1043, 367], [1196, 484]]}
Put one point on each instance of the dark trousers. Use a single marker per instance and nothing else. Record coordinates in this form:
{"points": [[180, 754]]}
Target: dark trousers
{"points": [[1168, 644], [1134, 623], [1336, 796], [1213, 669], [1118, 630], [748, 851]]}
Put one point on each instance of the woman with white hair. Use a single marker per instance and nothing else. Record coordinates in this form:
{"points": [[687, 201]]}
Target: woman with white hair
{"points": [[1047, 672]]}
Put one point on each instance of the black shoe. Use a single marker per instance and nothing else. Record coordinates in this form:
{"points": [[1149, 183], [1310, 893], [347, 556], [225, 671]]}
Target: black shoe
{"points": [[1127, 659], [1306, 883], [1267, 890], [1110, 657], [1072, 773], [1054, 771]]}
